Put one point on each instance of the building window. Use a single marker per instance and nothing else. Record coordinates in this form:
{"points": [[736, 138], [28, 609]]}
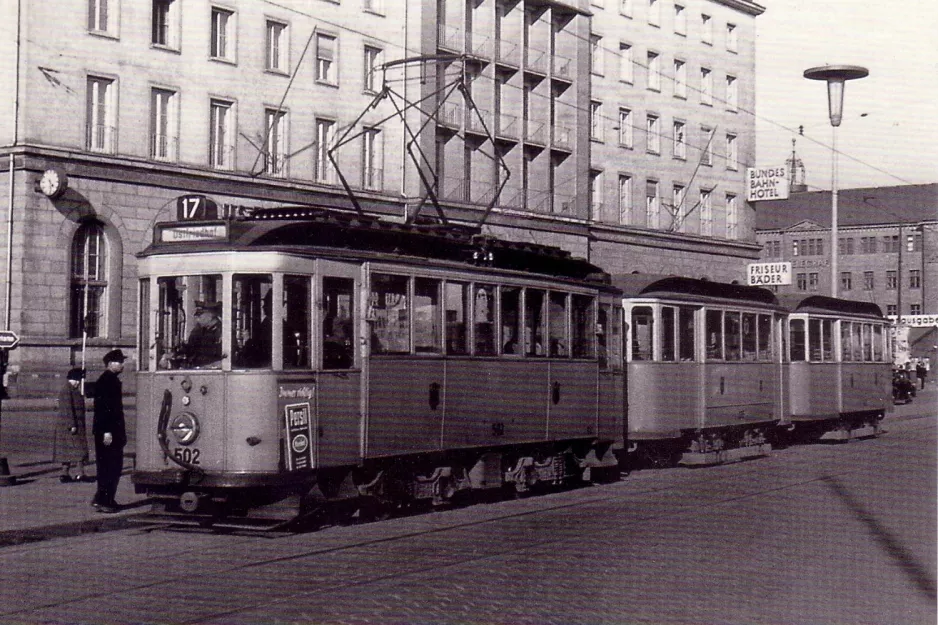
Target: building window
{"points": [[892, 280], [915, 309], [625, 200], [326, 59], [374, 6], [706, 86], [812, 281], [732, 94], [89, 280], [654, 12], [626, 67], [325, 131], [732, 217], [913, 243], [372, 62], [892, 310], [101, 115], [845, 246], [680, 143], [868, 282], [731, 38], [276, 46], [625, 128], [915, 279], [596, 55], [98, 16], [706, 157], [706, 213], [372, 159], [165, 25], [651, 129], [275, 154], [678, 210], [801, 281], [680, 79], [706, 29], [221, 140], [890, 244], [163, 125], [625, 7], [654, 72], [652, 206], [846, 281], [868, 245], [732, 158], [680, 19], [222, 27], [596, 195], [596, 121], [794, 248]]}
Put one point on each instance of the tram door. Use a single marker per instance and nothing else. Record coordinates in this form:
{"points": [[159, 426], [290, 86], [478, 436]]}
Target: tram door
{"points": [[338, 363]]}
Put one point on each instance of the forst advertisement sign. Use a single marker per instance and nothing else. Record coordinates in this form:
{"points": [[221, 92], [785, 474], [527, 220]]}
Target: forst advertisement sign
{"points": [[768, 274], [766, 183], [296, 405]]}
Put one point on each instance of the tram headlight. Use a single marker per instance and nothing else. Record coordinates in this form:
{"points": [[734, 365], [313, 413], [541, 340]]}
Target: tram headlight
{"points": [[185, 427]]}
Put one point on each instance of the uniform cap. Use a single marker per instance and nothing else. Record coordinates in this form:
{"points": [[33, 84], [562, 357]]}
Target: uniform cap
{"points": [[75, 373], [115, 355], [210, 306]]}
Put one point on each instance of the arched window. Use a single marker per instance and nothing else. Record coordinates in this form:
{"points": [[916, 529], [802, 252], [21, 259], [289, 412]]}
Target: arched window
{"points": [[88, 281]]}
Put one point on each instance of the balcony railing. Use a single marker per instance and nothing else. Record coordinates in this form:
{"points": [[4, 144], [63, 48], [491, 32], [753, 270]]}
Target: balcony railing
{"points": [[222, 157], [535, 60], [164, 147], [563, 137], [478, 121], [535, 132], [507, 126], [450, 115], [508, 53], [102, 138], [449, 38], [373, 178], [480, 46], [561, 67]]}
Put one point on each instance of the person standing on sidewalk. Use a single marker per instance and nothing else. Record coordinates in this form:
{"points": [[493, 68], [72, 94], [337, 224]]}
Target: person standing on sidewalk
{"points": [[70, 443], [109, 431], [922, 372]]}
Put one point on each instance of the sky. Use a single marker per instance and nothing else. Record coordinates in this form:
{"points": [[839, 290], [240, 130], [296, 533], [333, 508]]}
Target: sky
{"points": [[889, 133]]}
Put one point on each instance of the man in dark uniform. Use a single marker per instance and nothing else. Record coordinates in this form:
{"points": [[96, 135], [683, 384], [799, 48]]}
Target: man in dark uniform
{"points": [[109, 431], [204, 345]]}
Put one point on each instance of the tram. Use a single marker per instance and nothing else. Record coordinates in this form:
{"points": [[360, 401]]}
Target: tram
{"points": [[294, 358], [839, 372], [704, 372]]}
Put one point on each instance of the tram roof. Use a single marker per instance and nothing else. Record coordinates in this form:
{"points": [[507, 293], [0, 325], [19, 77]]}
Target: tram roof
{"points": [[795, 302], [307, 228], [692, 289]]}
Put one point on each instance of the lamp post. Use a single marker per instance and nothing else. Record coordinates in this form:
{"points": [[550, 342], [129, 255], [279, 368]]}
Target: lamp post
{"points": [[835, 76]]}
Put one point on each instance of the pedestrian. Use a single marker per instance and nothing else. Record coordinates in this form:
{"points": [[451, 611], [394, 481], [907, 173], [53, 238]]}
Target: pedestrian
{"points": [[70, 443], [921, 372], [109, 431]]}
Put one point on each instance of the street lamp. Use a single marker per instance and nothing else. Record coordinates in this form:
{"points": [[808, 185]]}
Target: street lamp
{"points": [[835, 76]]}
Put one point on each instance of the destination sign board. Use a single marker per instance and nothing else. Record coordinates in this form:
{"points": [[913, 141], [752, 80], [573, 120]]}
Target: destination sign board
{"points": [[189, 234], [768, 274], [766, 183]]}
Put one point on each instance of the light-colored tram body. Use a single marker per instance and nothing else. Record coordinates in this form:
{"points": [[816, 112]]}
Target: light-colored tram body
{"points": [[403, 363], [703, 370], [839, 367]]}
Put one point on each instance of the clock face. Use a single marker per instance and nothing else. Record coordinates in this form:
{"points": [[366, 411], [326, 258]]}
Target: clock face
{"points": [[51, 183]]}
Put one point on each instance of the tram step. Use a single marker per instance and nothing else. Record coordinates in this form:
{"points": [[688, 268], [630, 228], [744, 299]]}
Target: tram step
{"points": [[727, 455]]}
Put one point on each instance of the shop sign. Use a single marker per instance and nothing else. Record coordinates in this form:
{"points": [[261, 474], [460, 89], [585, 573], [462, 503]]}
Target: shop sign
{"points": [[766, 183], [769, 274]]}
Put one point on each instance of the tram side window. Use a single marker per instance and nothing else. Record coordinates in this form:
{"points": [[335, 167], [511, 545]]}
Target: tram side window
{"points": [[814, 339], [390, 327], [456, 317], [667, 333], [584, 332], [188, 333], [483, 319], [797, 332], [857, 342], [750, 333], [143, 339], [686, 334], [780, 324], [733, 328], [427, 316], [765, 338], [827, 340], [511, 319], [338, 326], [643, 331], [251, 326], [295, 322], [867, 342], [846, 350], [602, 336], [878, 343], [714, 334], [534, 317], [557, 326]]}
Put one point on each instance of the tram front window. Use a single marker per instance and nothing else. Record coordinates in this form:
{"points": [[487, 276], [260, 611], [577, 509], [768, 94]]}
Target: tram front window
{"points": [[642, 333], [456, 317], [798, 340], [252, 321], [667, 334], [814, 339], [189, 318], [511, 319], [534, 323], [558, 324], [765, 337], [733, 328]]}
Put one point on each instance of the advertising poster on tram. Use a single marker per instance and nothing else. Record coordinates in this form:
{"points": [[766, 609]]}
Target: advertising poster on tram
{"points": [[296, 403]]}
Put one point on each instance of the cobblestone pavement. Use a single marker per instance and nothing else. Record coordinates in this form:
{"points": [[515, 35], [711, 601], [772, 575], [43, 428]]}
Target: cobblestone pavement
{"points": [[810, 534]]}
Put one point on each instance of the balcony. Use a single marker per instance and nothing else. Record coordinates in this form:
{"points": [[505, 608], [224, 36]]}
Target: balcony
{"points": [[507, 127], [480, 46], [102, 138], [164, 147], [562, 138], [507, 53], [535, 133], [450, 115], [221, 156], [478, 121], [561, 68], [535, 61], [449, 38]]}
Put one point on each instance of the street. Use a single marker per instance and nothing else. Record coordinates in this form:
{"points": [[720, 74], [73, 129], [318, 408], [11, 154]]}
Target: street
{"points": [[810, 534]]}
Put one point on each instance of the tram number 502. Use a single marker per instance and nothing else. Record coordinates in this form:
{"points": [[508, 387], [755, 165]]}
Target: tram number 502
{"points": [[187, 455]]}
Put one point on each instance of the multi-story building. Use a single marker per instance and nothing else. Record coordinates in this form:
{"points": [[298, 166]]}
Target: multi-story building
{"points": [[513, 114], [887, 251]]}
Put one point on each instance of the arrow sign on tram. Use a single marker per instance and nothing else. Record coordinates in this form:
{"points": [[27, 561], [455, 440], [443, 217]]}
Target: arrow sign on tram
{"points": [[8, 339]]}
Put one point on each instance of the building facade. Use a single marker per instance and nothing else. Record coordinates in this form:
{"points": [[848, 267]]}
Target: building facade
{"points": [[509, 117]]}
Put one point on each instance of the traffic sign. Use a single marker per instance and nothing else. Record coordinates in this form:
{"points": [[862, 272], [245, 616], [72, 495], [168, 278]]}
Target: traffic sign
{"points": [[8, 339]]}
